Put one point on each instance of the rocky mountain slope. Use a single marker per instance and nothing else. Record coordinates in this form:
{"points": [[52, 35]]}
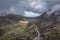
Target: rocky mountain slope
{"points": [[50, 17]]}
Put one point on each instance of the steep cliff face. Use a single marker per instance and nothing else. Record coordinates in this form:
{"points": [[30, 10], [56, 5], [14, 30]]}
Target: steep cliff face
{"points": [[54, 13], [49, 18]]}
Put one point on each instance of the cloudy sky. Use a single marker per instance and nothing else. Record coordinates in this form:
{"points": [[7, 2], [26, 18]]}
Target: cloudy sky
{"points": [[27, 8]]}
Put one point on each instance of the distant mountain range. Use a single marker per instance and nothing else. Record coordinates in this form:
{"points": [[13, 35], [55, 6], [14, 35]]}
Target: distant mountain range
{"points": [[6, 19]]}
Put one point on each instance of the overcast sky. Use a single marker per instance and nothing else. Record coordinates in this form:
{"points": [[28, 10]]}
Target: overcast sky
{"points": [[22, 7]]}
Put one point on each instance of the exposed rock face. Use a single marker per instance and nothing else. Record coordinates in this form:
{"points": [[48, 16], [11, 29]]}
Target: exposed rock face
{"points": [[49, 18], [54, 10]]}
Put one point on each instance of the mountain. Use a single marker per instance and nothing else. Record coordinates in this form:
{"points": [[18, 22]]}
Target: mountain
{"points": [[6, 19], [49, 19]]}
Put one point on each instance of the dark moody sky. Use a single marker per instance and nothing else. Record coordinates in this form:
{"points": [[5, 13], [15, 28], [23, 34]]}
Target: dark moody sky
{"points": [[26, 7]]}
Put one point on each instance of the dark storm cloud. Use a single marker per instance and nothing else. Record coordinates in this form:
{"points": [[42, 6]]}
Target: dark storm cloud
{"points": [[5, 4], [37, 6], [19, 6], [25, 4]]}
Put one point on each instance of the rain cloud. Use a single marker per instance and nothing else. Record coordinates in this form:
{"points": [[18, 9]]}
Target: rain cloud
{"points": [[22, 7]]}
